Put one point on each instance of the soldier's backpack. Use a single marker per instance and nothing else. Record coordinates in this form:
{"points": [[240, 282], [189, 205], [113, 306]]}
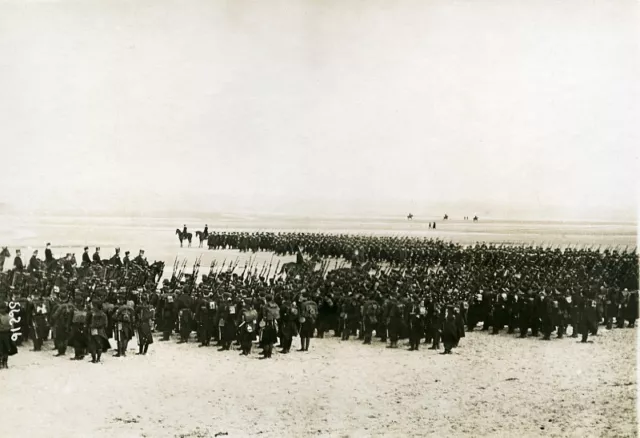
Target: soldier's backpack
{"points": [[272, 312], [370, 310], [250, 316], [310, 310], [127, 315], [398, 309], [79, 317]]}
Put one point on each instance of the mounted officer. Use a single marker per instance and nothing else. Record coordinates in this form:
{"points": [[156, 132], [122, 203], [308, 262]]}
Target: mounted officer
{"points": [[115, 259], [96, 256], [34, 263], [126, 262], [86, 260], [17, 262], [141, 260]]}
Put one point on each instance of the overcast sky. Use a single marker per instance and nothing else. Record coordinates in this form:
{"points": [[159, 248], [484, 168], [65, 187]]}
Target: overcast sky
{"points": [[498, 106]]}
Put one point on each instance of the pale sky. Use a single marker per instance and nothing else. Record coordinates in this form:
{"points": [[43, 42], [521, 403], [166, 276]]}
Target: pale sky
{"points": [[507, 107]]}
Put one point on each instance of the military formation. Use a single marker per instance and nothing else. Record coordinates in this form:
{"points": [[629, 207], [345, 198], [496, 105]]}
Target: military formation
{"points": [[390, 289], [82, 307]]}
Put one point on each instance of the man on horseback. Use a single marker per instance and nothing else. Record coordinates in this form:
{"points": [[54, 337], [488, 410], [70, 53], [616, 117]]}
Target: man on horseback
{"points": [[17, 262], [184, 230], [115, 260], [34, 263], [86, 260], [299, 257], [96, 256], [206, 231], [48, 256], [140, 260], [126, 262]]}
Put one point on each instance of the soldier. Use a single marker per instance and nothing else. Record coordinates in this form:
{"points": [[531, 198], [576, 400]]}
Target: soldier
{"points": [[123, 319], [40, 309], [34, 263], [589, 319], [205, 316], [547, 317], [622, 299], [417, 313], [561, 316], [499, 312], [126, 262], [247, 328], [574, 303], [96, 256], [437, 323], [475, 311], [632, 309], [61, 320], [48, 256], [79, 337], [97, 324], [308, 315], [270, 327], [168, 317], [17, 262], [370, 319], [289, 316], [144, 322], [449, 332], [395, 321], [185, 321], [486, 310], [86, 260], [206, 230], [140, 260], [115, 259]]}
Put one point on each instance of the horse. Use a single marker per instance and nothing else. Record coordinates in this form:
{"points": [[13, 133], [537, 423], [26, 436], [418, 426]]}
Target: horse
{"points": [[182, 236], [156, 269], [410, 216], [475, 218], [3, 255], [202, 236]]}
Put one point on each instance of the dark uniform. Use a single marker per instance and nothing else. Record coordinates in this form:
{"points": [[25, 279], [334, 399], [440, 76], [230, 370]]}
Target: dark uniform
{"points": [[123, 319], [62, 320], [79, 337], [98, 340], [417, 314], [40, 309], [96, 256], [144, 321], [115, 259], [86, 260]]}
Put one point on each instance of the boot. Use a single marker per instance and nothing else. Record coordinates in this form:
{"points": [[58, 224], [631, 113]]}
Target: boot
{"points": [[93, 358], [140, 349], [146, 348]]}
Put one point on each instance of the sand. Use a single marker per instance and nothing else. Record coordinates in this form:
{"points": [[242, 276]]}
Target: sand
{"points": [[491, 386]]}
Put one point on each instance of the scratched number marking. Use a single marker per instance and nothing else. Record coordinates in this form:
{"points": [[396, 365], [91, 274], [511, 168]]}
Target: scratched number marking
{"points": [[13, 309]]}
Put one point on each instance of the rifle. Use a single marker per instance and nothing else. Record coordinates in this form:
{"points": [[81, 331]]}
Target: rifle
{"points": [[222, 267]]}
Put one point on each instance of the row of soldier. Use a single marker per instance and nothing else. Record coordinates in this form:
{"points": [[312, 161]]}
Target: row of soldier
{"points": [[479, 266], [36, 264], [225, 310]]}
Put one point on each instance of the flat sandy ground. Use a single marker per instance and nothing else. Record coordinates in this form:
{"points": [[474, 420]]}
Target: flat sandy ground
{"points": [[491, 386]]}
